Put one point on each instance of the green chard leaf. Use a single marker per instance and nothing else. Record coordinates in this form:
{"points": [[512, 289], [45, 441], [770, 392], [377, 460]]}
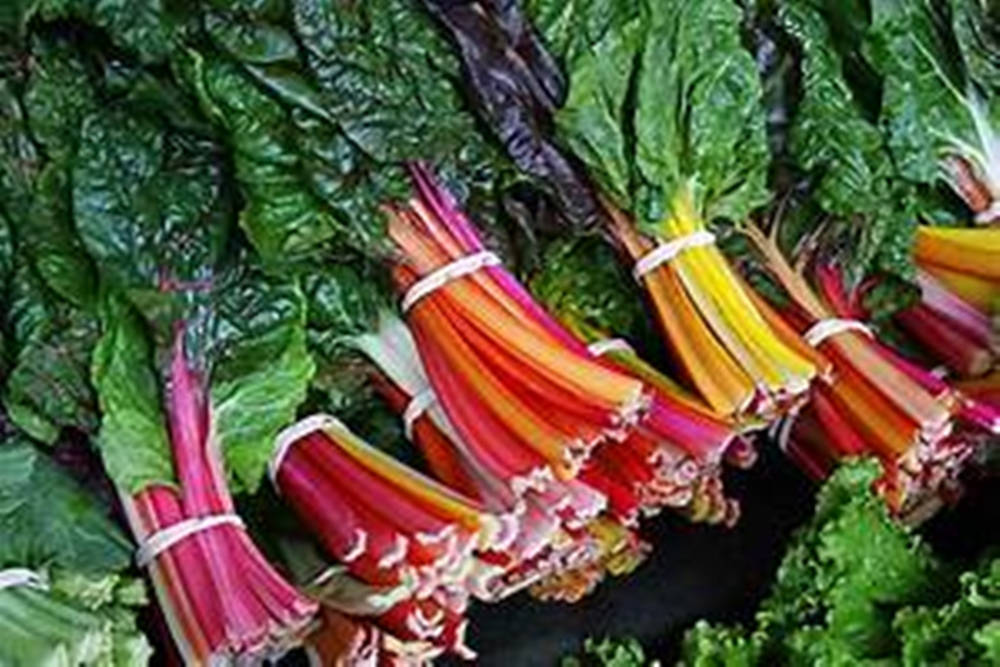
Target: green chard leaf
{"points": [[665, 103], [143, 27], [843, 153], [153, 210], [283, 217], [51, 281], [85, 612], [321, 134], [931, 105], [977, 32], [46, 519], [57, 96], [133, 437], [48, 386], [583, 283]]}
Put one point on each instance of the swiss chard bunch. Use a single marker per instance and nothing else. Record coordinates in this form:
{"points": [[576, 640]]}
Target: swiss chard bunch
{"points": [[201, 360], [664, 109]]}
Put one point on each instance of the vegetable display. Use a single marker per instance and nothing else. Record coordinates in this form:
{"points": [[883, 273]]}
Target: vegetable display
{"points": [[324, 324]]}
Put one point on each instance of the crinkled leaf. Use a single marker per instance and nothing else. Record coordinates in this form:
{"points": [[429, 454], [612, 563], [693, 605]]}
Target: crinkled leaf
{"points": [[582, 283], [386, 78], [251, 42], [50, 236], [320, 141], [593, 121], [927, 99], [666, 105], [48, 386], [829, 135], [141, 26], [843, 153], [19, 158], [46, 519], [262, 370], [283, 217], [58, 95], [343, 302], [977, 31], [377, 64], [152, 210], [133, 437], [699, 119]]}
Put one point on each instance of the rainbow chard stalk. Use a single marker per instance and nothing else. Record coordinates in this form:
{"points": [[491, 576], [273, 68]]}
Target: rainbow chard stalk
{"points": [[391, 527], [664, 108], [563, 538], [664, 443], [960, 291], [868, 400], [198, 366], [502, 369], [966, 262], [955, 332]]}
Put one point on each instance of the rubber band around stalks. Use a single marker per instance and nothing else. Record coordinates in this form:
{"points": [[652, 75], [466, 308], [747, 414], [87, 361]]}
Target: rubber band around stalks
{"points": [[665, 252], [20, 576], [164, 539], [292, 434], [443, 275], [824, 329], [415, 409], [602, 347]]}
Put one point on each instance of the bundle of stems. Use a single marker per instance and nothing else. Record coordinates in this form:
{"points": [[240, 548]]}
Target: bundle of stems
{"points": [[729, 350], [409, 543], [221, 598], [868, 400], [571, 526]]}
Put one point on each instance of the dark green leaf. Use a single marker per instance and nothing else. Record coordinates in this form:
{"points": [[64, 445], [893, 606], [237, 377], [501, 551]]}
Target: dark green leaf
{"points": [[251, 42], [48, 386], [46, 519], [141, 26]]}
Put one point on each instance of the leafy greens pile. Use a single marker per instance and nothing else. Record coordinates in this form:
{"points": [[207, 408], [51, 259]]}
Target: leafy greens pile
{"points": [[206, 205], [855, 586]]}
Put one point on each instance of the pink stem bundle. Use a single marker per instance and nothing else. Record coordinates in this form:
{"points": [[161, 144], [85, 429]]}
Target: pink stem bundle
{"points": [[221, 597]]}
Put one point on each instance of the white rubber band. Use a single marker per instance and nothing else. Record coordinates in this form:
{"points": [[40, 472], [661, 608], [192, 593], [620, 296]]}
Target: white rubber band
{"points": [[417, 406], [784, 430], [602, 347], [20, 576], [162, 540], [292, 434], [990, 214], [940, 372], [443, 275], [824, 329], [665, 252]]}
